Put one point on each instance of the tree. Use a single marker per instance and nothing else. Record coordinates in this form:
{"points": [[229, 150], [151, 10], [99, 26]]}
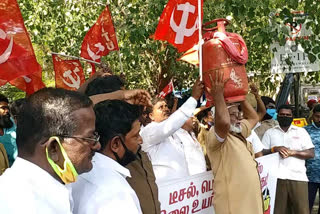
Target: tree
{"points": [[60, 26]]}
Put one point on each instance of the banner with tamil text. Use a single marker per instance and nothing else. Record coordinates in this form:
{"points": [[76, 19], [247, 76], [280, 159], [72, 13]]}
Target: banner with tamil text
{"points": [[188, 195], [268, 167], [194, 194]]}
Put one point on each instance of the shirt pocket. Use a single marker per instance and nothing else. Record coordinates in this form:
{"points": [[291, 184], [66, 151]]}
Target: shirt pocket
{"points": [[296, 143]]}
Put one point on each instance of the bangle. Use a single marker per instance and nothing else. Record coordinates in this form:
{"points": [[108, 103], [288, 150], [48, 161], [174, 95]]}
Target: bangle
{"points": [[272, 150]]}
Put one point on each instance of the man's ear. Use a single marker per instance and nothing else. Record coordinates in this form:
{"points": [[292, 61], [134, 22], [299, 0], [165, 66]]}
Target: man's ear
{"points": [[54, 151], [151, 116], [115, 144]]}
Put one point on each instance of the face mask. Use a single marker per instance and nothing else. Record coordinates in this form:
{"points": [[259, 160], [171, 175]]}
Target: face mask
{"points": [[316, 124], [69, 173], [285, 121], [271, 112], [128, 156]]}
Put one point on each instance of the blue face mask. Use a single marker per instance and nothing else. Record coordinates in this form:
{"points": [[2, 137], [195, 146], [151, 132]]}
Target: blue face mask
{"points": [[272, 113]]}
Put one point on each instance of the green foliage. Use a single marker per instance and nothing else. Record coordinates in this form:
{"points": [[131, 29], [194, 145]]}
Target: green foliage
{"points": [[60, 26]]}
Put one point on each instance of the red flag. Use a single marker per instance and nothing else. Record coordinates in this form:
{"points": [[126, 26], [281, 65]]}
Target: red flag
{"points": [[191, 56], [100, 39], [167, 90], [68, 73], [16, 53], [30, 83], [179, 24]]}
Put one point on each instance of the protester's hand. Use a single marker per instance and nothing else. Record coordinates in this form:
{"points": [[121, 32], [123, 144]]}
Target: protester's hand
{"points": [[292, 152], [284, 151], [254, 89], [217, 86], [137, 97], [100, 74], [197, 89], [104, 69]]}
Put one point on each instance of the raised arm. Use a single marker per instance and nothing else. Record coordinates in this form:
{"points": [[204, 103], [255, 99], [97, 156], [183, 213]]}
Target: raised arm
{"points": [[222, 117], [261, 109], [155, 132], [135, 97], [175, 105], [249, 114]]}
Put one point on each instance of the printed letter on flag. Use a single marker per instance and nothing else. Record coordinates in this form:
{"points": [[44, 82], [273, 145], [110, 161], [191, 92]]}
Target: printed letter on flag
{"points": [[68, 73], [100, 39], [17, 58], [178, 24], [167, 90]]}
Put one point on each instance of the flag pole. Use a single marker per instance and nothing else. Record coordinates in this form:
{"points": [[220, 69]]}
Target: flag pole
{"points": [[120, 60], [74, 57], [200, 39]]}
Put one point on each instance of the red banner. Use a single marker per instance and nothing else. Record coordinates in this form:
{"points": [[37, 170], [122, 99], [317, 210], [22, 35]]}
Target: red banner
{"points": [[68, 73], [167, 90], [16, 53], [179, 24], [100, 39], [30, 83]]}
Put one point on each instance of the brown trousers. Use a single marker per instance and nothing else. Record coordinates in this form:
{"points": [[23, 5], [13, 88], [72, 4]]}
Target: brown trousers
{"points": [[4, 163], [291, 197]]}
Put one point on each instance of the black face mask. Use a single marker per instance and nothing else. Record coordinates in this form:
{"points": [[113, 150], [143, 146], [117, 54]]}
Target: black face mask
{"points": [[284, 121], [128, 156], [5, 121]]}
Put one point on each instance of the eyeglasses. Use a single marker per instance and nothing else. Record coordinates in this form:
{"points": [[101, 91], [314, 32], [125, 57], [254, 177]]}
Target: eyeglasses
{"points": [[237, 115], [93, 141]]}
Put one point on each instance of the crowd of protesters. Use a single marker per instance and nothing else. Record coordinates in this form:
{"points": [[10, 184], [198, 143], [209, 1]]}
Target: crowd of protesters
{"points": [[105, 149]]}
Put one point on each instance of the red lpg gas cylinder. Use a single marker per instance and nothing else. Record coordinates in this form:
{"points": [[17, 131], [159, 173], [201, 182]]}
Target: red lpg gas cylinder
{"points": [[227, 52]]}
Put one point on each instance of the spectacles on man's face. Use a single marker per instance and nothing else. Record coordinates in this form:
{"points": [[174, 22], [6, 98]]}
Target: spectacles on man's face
{"points": [[236, 115], [92, 140]]}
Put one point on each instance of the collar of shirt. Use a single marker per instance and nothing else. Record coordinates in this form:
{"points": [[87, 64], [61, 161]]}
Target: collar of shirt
{"points": [[104, 162], [314, 126], [292, 127]]}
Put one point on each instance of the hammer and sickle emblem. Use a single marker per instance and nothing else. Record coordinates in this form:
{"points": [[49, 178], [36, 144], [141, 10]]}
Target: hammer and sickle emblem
{"points": [[75, 82], [6, 54], [93, 55], [182, 30]]}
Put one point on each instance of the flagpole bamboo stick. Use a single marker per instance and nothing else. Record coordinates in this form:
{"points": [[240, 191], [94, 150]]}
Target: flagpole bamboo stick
{"points": [[200, 39], [75, 57], [120, 61]]}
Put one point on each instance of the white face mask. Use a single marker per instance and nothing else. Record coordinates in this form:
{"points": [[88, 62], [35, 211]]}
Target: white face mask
{"points": [[235, 129]]}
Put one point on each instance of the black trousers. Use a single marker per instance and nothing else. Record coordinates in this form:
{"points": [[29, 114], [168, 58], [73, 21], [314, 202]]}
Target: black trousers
{"points": [[312, 192]]}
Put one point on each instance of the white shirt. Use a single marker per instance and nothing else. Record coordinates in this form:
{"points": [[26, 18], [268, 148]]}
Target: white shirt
{"points": [[256, 142], [295, 138], [28, 189], [104, 189], [173, 152]]}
